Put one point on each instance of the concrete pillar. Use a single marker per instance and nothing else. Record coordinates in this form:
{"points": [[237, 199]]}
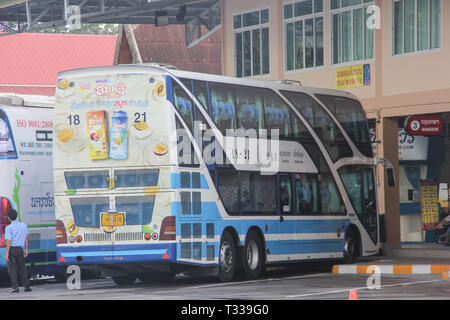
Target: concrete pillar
{"points": [[389, 148]]}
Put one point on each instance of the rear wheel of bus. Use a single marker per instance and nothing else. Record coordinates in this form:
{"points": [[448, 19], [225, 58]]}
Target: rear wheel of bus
{"points": [[252, 256], [227, 257]]}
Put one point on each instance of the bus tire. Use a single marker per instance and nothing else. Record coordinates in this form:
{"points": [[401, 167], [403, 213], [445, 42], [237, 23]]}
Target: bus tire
{"points": [[252, 257], [125, 280], [227, 258], [351, 246]]}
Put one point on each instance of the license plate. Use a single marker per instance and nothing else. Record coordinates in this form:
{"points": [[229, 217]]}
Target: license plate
{"points": [[113, 219]]}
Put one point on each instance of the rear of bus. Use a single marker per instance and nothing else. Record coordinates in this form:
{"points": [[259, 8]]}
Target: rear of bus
{"points": [[112, 169]]}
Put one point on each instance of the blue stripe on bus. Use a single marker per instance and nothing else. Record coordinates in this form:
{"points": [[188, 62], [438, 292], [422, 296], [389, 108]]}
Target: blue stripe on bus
{"points": [[305, 246], [117, 253]]}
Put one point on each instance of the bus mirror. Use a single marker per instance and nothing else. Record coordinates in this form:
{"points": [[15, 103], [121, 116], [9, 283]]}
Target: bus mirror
{"points": [[390, 177]]}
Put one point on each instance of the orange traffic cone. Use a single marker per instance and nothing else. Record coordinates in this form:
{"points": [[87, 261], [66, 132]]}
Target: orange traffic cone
{"points": [[353, 295]]}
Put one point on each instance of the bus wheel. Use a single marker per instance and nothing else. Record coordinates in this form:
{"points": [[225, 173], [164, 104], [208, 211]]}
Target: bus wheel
{"points": [[227, 258], [350, 247], [125, 280], [252, 257]]}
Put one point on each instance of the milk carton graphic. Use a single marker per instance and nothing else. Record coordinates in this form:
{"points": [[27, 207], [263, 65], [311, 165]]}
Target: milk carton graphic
{"points": [[119, 136], [98, 143]]}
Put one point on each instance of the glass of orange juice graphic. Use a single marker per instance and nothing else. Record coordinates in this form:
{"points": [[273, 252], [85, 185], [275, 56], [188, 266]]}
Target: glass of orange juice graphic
{"points": [[98, 143]]}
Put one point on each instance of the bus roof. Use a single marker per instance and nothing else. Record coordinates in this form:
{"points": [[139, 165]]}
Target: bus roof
{"points": [[27, 100], [152, 67]]}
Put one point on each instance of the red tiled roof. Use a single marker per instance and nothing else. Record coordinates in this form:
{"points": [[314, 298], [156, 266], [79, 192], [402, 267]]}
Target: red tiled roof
{"points": [[167, 45], [30, 59]]}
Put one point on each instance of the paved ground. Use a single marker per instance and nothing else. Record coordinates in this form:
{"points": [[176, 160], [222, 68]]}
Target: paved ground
{"points": [[299, 282]]}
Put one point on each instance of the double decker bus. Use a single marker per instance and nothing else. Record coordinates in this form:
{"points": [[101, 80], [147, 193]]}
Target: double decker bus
{"points": [[159, 171]]}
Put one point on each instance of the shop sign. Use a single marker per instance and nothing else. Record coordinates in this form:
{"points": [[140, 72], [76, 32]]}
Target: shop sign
{"points": [[410, 148], [429, 204], [424, 125], [353, 76]]}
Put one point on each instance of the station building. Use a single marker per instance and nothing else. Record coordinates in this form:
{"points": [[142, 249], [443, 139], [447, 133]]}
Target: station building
{"points": [[392, 54]]}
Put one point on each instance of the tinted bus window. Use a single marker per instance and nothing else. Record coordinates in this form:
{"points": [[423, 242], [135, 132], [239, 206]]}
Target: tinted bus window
{"points": [[257, 193], [223, 108], [307, 195], [201, 93], [249, 109], [183, 104], [351, 116], [323, 125], [277, 115], [228, 189], [7, 147]]}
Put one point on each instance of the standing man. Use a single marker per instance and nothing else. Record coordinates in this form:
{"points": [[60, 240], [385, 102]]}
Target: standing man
{"points": [[16, 236]]}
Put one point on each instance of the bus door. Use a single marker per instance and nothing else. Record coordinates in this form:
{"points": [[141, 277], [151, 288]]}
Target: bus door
{"points": [[360, 184], [287, 225]]}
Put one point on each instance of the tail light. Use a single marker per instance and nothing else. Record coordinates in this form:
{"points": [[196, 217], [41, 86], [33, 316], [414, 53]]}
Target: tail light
{"points": [[61, 235], [5, 205], [168, 231]]}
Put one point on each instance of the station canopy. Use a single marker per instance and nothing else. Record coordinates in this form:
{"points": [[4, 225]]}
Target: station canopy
{"points": [[200, 17]]}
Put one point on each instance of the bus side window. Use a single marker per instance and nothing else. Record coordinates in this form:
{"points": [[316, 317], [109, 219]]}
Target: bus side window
{"points": [[183, 104], [306, 189], [201, 93], [7, 148], [222, 109], [249, 109], [228, 189], [277, 115]]}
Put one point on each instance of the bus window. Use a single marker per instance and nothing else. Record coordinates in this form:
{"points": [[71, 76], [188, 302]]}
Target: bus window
{"points": [[249, 108], [307, 195], [277, 115], [87, 179], [201, 93], [7, 147], [330, 200], [136, 177], [138, 210], [351, 116], [223, 111], [86, 211], [228, 188], [299, 130], [256, 193], [286, 195], [183, 104], [323, 125]]}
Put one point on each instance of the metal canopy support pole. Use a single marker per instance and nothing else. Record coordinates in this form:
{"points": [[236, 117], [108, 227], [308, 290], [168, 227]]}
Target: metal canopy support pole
{"points": [[210, 18]]}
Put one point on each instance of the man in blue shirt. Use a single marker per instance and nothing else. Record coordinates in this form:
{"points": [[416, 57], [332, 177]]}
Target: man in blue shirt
{"points": [[16, 236]]}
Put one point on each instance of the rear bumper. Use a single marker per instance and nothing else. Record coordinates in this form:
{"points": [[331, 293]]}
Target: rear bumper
{"points": [[117, 254]]}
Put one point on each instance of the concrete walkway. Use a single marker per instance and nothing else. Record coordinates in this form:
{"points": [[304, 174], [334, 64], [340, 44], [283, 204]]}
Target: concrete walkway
{"points": [[421, 258]]}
